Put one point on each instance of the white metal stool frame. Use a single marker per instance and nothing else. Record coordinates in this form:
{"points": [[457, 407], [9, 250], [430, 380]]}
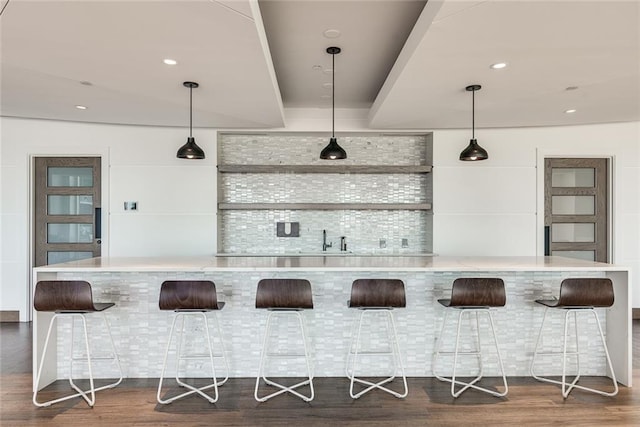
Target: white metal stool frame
{"points": [[567, 387], [182, 314], [477, 353], [265, 354], [91, 398], [395, 352]]}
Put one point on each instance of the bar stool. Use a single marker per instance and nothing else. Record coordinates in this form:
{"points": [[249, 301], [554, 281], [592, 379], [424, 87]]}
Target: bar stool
{"points": [[577, 296], [72, 299], [376, 297], [473, 296], [284, 297], [192, 298]]}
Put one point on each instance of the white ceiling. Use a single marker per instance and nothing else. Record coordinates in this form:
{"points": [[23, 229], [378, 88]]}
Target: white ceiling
{"points": [[406, 62]]}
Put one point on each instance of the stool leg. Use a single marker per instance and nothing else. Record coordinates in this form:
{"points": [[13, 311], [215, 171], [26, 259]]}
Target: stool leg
{"points": [[224, 350], [606, 352], [398, 357], [115, 356], [395, 353], [568, 387], [164, 363], [535, 349], [90, 401], [565, 390], [436, 353], [478, 353], [179, 356], [495, 340], [94, 358], [263, 355], [455, 360]]}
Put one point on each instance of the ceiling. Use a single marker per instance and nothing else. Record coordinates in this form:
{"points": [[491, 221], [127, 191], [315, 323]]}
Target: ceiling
{"points": [[405, 63]]}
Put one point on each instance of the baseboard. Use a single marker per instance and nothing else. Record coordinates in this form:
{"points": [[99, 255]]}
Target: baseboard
{"points": [[9, 316]]}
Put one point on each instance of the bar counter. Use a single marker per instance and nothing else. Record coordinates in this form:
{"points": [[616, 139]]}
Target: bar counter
{"points": [[140, 329]]}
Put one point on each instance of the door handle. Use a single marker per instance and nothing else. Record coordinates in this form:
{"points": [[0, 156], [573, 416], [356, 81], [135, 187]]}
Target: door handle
{"points": [[547, 240], [97, 221]]}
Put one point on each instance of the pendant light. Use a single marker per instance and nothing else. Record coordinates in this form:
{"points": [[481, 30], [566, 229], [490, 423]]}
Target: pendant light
{"points": [[190, 150], [473, 150], [333, 151]]}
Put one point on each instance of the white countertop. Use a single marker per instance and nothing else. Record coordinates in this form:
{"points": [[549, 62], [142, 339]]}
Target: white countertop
{"points": [[327, 263]]}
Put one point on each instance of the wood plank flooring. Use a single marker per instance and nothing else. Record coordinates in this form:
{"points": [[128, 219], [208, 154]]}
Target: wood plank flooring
{"points": [[428, 403]]}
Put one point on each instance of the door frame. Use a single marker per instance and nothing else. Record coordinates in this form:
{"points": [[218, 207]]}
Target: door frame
{"points": [[611, 195], [62, 151]]}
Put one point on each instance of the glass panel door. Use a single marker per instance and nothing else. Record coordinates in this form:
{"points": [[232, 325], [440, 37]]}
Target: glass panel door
{"points": [[576, 208], [67, 209]]}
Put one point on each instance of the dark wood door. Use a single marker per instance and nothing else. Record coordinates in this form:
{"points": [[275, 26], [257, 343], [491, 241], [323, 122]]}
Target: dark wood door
{"points": [[575, 207], [67, 209]]}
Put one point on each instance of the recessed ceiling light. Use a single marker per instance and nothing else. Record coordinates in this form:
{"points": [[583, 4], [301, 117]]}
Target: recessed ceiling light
{"points": [[316, 67], [327, 71], [571, 88], [570, 111], [327, 85], [86, 83], [169, 61], [498, 65], [332, 34], [81, 107]]}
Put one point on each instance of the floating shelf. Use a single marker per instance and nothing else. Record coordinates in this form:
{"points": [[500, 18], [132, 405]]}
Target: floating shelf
{"points": [[324, 169], [325, 206]]}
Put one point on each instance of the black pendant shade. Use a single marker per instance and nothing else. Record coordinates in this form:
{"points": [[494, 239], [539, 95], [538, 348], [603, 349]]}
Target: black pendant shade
{"points": [[190, 150], [473, 151], [333, 151]]}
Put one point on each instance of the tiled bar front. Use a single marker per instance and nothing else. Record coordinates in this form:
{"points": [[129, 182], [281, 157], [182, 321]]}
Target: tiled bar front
{"points": [[140, 329]]}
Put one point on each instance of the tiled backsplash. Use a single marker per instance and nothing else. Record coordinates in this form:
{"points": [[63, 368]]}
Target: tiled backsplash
{"points": [[366, 231]]}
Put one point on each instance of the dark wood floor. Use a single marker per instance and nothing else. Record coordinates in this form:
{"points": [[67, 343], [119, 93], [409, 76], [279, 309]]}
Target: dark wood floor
{"points": [[428, 403]]}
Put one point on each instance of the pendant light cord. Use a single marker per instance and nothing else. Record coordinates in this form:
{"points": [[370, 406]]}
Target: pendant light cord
{"points": [[473, 114], [190, 111], [333, 95], [4, 7]]}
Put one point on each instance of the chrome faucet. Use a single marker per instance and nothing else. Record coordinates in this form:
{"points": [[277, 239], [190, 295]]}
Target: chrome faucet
{"points": [[325, 245]]}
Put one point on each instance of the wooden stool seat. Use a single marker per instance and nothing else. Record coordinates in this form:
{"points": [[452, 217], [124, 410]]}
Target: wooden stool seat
{"points": [[293, 294], [373, 293], [189, 295]]}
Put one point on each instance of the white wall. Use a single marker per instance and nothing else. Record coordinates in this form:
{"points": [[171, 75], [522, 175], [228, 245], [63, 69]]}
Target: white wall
{"points": [[176, 198], [496, 207], [480, 208]]}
